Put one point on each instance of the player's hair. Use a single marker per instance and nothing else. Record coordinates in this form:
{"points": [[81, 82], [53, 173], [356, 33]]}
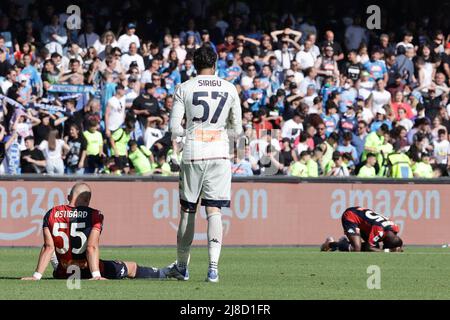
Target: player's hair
{"points": [[392, 241], [204, 58], [82, 192]]}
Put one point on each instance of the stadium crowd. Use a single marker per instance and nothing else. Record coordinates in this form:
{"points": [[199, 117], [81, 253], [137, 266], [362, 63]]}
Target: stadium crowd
{"points": [[334, 100]]}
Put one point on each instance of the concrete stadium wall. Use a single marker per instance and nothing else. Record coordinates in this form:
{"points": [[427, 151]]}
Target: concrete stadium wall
{"points": [[273, 211]]}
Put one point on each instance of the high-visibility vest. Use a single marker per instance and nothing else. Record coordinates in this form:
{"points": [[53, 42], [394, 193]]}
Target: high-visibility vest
{"points": [[400, 166]]}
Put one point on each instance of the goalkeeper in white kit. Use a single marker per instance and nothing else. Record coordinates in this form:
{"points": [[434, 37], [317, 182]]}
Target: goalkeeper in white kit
{"points": [[212, 107]]}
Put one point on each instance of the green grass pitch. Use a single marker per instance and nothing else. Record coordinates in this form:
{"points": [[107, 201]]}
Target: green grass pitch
{"points": [[248, 273]]}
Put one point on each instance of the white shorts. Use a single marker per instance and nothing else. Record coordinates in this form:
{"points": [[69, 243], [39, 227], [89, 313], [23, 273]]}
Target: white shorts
{"points": [[209, 180]]}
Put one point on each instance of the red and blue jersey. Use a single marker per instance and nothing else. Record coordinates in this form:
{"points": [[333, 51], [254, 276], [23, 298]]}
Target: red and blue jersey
{"points": [[70, 228], [372, 226]]}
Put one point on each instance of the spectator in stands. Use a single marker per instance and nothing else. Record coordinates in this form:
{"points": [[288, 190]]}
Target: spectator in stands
{"points": [[299, 168], [115, 111], [53, 149], [292, 79], [126, 39], [94, 147], [76, 155], [32, 160], [368, 169]]}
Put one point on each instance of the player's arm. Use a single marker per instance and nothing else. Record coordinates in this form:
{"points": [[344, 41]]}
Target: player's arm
{"points": [[373, 249], [374, 239], [93, 254], [235, 118], [44, 257], [176, 117]]}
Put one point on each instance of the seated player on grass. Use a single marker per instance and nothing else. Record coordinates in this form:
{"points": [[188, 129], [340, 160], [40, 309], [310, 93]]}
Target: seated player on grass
{"points": [[363, 224], [73, 231]]}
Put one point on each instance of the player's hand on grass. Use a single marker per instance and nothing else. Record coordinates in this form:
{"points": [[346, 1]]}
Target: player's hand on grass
{"points": [[29, 279], [98, 278]]}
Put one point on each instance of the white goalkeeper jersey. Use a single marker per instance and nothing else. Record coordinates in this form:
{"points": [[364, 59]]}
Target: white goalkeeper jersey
{"points": [[212, 106]]}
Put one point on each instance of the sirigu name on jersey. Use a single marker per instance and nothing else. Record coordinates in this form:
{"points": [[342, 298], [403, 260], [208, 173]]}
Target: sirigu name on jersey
{"points": [[209, 83], [71, 214]]}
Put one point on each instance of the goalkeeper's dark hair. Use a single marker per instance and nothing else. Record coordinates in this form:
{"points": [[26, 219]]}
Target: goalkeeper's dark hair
{"points": [[392, 240], [204, 58]]}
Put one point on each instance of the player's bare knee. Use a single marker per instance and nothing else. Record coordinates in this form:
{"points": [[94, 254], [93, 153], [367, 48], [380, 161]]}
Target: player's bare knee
{"points": [[211, 211]]}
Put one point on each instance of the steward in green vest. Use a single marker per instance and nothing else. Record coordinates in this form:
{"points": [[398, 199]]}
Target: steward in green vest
{"points": [[141, 158], [119, 142], [368, 170], [423, 169], [375, 141], [399, 166], [299, 168]]}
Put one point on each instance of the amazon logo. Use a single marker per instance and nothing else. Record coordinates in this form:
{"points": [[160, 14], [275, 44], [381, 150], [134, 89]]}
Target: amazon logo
{"points": [[22, 210]]}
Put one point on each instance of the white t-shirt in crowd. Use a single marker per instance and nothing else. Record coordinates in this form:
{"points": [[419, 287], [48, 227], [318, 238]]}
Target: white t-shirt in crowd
{"points": [[6, 84], [441, 151], [298, 77], [100, 47], [146, 76], [305, 83], [127, 59], [52, 154], [151, 136], [181, 53], [284, 58], [116, 113], [406, 123], [302, 147], [367, 115], [291, 129], [380, 98], [306, 59], [309, 100], [125, 40]]}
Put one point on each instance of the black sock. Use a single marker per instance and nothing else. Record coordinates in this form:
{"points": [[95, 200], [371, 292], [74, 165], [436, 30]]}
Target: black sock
{"points": [[146, 273]]}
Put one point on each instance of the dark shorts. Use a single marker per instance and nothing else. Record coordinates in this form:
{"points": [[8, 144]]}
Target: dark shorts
{"points": [[93, 162], [113, 269], [109, 269], [121, 162], [350, 227]]}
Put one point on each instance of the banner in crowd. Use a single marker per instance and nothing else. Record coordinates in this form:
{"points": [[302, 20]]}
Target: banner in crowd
{"points": [[69, 88], [42, 106], [146, 212]]}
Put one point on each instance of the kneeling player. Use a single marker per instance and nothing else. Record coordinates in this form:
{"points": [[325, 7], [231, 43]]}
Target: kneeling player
{"points": [[363, 224], [73, 231]]}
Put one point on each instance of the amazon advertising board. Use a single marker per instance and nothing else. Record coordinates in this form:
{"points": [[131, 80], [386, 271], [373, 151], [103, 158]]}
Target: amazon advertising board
{"points": [[261, 213]]}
